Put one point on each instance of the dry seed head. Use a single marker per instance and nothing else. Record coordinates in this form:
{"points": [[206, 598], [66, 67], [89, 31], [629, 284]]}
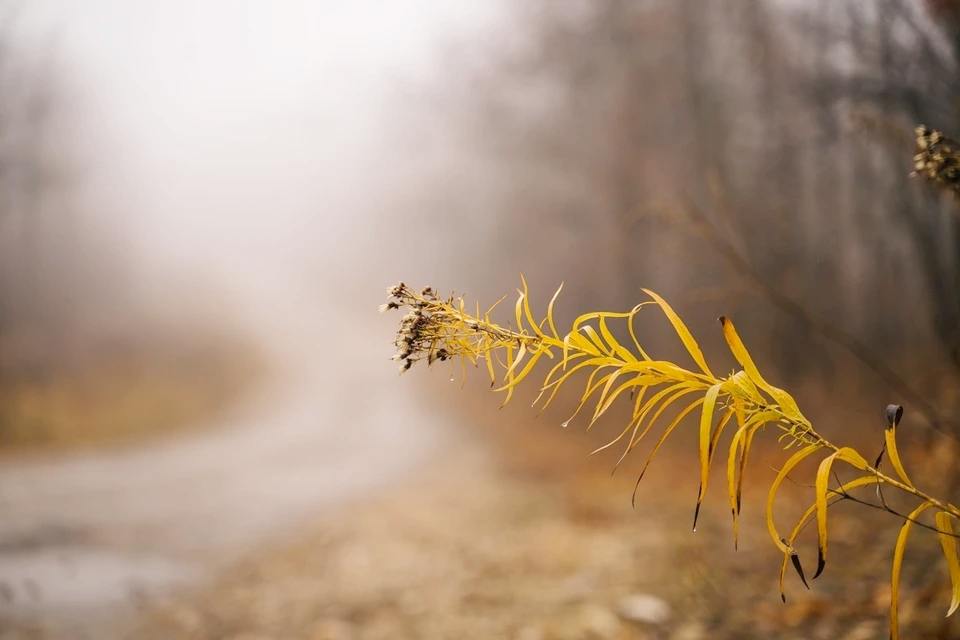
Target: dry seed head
{"points": [[438, 329], [937, 159]]}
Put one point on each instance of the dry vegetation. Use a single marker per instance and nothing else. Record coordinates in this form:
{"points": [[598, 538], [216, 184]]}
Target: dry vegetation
{"points": [[125, 390], [521, 536], [437, 329]]}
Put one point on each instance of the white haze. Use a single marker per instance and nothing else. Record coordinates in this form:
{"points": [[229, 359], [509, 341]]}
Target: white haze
{"points": [[242, 144], [248, 152]]}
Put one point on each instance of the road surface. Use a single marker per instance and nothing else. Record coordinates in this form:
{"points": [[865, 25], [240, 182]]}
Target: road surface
{"points": [[87, 539]]}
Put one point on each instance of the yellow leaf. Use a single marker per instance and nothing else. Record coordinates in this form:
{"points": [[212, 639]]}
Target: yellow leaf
{"points": [[518, 310], [590, 362], [811, 510], [488, 360], [666, 434], [556, 384], [576, 339], [740, 353], [732, 456], [550, 323], [636, 381], [630, 426], [601, 401], [706, 424], [788, 466], [821, 485], [526, 308], [681, 329], [741, 441], [514, 362], [898, 551], [553, 370], [638, 400], [490, 309], [890, 438], [590, 387], [615, 345], [678, 390], [531, 363], [853, 458], [633, 335], [591, 333], [743, 383], [656, 398], [949, 545], [511, 364], [753, 425], [715, 438]]}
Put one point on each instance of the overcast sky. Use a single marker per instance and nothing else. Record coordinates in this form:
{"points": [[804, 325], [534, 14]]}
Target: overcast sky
{"points": [[216, 128]]}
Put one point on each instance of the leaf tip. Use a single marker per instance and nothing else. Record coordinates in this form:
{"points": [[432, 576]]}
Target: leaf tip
{"points": [[795, 560], [696, 515], [821, 563]]}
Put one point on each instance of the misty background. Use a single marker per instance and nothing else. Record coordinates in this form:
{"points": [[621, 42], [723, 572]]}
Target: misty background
{"points": [[202, 203]]}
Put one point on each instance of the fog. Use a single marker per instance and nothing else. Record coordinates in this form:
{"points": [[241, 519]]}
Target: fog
{"points": [[251, 145], [209, 254], [202, 203]]}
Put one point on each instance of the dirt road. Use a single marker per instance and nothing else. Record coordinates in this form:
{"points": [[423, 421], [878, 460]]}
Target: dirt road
{"points": [[87, 539]]}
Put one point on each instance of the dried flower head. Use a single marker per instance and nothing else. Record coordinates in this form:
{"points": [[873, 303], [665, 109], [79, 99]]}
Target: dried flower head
{"points": [[439, 329], [937, 159]]}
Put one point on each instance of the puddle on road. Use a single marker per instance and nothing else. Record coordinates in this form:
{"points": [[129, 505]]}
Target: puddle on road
{"points": [[70, 580]]}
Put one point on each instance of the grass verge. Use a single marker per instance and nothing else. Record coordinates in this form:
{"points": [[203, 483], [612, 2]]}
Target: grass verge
{"points": [[123, 392]]}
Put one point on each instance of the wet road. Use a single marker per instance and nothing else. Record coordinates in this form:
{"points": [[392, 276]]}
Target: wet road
{"points": [[87, 539]]}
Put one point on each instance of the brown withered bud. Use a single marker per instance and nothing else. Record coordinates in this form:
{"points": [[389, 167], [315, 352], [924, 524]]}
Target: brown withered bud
{"points": [[937, 159]]}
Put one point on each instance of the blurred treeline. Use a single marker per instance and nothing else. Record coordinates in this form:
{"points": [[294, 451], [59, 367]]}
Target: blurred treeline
{"points": [[746, 157], [62, 275], [89, 352]]}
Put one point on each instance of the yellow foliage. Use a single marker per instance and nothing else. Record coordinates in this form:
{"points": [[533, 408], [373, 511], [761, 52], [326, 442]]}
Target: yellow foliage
{"points": [[439, 329]]}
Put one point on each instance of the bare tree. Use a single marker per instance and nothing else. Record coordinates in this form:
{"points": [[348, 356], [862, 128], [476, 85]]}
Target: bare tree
{"points": [[799, 116]]}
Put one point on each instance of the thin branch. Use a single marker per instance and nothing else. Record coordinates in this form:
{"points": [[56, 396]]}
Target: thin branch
{"points": [[828, 330], [888, 509], [846, 495]]}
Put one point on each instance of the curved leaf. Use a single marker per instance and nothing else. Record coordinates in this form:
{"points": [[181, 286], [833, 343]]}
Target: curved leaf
{"points": [[666, 434], [898, 552], [525, 297], [732, 457], [663, 438], [706, 424], [636, 381], [740, 353], [550, 323], [594, 338], [788, 466], [890, 440], [678, 390], [553, 371], [808, 514], [615, 346], [630, 329], [681, 329], [849, 456], [948, 542]]}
